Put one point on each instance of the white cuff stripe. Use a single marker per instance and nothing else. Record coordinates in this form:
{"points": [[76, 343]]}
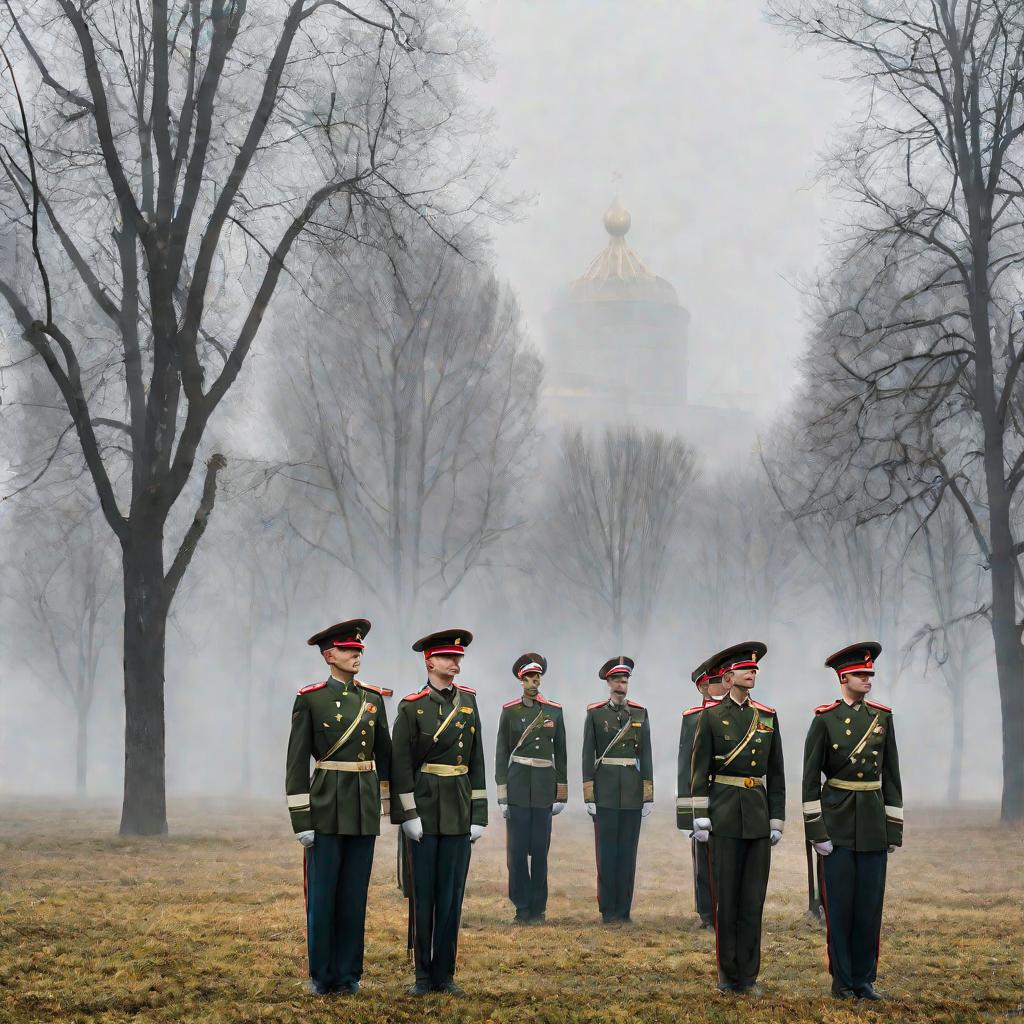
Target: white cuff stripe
{"points": [[478, 794], [700, 802], [684, 803], [298, 801], [812, 807], [894, 812], [776, 823], [408, 801]]}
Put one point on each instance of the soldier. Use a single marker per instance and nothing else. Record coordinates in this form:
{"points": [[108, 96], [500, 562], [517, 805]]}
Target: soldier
{"points": [[342, 724], [618, 786], [441, 803], [712, 690], [739, 790], [530, 772], [857, 820]]}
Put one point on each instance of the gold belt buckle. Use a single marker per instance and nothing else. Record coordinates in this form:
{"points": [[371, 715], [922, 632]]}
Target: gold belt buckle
{"points": [[749, 783]]}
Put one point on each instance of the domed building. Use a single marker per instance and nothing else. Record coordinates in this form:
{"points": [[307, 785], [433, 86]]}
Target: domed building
{"points": [[617, 341]]}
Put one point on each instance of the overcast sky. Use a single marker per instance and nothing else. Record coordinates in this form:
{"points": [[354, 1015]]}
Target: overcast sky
{"points": [[709, 124]]}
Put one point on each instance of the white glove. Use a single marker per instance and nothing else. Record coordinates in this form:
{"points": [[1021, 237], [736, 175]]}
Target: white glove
{"points": [[592, 810], [505, 812], [702, 824], [646, 809], [306, 838], [892, 849], [775, 836], [475, 832], [413, 828], [824, 848], [702, 835], [557, 808]]}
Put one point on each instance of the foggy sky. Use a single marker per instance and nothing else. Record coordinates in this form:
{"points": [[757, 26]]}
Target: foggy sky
{"points": [[713, 124]]}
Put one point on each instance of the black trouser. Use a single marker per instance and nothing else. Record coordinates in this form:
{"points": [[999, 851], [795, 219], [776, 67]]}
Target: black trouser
{"points": [[528, 837], [440, 865], [337, 879], [853, 892], [617, 834], [740, 869], [702, 880]]}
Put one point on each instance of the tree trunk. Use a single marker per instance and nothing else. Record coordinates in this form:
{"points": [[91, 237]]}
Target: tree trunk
{"points": [[956, 758], [144, 811], [81, 750]]}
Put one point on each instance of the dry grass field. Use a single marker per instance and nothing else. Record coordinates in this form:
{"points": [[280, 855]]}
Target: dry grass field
{"points": [[207, 925]]}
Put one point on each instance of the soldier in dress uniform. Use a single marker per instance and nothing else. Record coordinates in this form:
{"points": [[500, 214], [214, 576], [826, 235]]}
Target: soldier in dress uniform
{"points": [[618, 786], [441, 803], [739, 804], [708, 681], [342, 724], [856, 820], [530, 772]]}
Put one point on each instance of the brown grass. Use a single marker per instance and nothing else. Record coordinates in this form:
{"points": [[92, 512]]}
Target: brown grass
{"points": [[207, 925]]}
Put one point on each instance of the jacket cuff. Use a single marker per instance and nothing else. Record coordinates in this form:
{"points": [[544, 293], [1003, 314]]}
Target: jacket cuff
{"points": [[561, 792], [588, 792], [502, 793], [298, 809], [648, 791], [403, 808], [684, 814], [894, 825], [778, 824]]}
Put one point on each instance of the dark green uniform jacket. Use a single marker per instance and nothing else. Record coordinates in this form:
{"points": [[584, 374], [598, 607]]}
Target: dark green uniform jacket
{"points": [[536, 784], [687, 731], [861, 804], [747, 737], [345, 803], [625, 778], [439, 728]]}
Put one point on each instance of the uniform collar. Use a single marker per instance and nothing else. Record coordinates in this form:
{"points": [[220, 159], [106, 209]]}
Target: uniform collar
{"points": [[856, 705], [739, 704], [441, 695]]}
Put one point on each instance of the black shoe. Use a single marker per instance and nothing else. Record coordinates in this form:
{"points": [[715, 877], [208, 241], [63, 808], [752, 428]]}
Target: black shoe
{"points": [[449, 988], [421, 988], [706, 921], [521, 917], [348, 988], [314, 988], [868, 991], [727, 988], [843, 993], [609, 919], [537, 918], [753, 989]]}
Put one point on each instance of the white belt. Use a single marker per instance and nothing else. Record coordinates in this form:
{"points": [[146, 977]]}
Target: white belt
{"points": [[744, 782], [347, 766], [533, 762], [621, 762]]}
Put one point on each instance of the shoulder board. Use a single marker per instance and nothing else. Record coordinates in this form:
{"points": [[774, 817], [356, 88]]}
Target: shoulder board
{"points": [[465, 689], [822, 708], [512, 703], [382, 690], [417, 695], [762, 707], [633, 704], [875, 704], [312, 687], [550, 703], [596, 704], [692, 711]]}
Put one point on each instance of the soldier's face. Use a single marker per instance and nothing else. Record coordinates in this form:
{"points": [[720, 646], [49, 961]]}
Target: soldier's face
{"points": [[857, 683], [443, 668], [344, 659], [531, 684], [742, 677], [618, 684], [717, 688]]}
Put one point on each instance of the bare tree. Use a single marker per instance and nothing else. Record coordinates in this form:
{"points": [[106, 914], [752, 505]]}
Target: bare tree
{"points": [[58, 582], [164, 165], [615, 501], [412, 429], [928, 352]]}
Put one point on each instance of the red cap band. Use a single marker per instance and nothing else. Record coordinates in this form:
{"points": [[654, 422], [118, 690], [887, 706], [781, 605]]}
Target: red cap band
{"points": [[618, 670], [355, 644], [532, 667], [450, 649]]}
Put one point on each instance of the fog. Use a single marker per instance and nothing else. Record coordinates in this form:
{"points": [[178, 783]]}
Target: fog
{"points": [[709, 129]]}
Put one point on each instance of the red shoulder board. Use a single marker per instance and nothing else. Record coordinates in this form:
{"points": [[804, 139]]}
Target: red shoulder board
{"points": [[875, 704], [690, 711], [762, 707], [633, 704], [550, 703], [512, 703], [312, 687], [596, 704], [822, 708], [382, 690], [416, 696], [466, 689]]}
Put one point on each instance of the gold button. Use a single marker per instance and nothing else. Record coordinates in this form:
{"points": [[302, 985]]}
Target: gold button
{"points": [[362, 732], [860, 775], [460, 744], [847, 732], [847, 721], [757, 739], [360, 757], [363, 743], [835, 746], [458, 760], [753, 764], [725, 721]]}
